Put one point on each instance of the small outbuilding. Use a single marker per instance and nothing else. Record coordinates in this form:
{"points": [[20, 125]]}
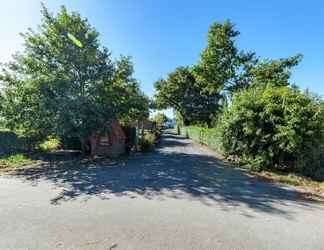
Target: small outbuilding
{"points": [[110, 144]]}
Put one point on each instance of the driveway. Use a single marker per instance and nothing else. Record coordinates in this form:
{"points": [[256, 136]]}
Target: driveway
{"points": [[179, 197]]}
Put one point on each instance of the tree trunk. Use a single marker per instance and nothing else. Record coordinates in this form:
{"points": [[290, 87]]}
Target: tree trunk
{"points": [[83, 145], [209, 123], [142, 129], [178, 130]]}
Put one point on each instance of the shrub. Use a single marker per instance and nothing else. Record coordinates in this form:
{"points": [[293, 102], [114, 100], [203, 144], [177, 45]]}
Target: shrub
{"points": [[157, 134], [16, 160], [12, 142], [160, 119], [49, 144], [147, 142], [70, 142], [274, 128]]}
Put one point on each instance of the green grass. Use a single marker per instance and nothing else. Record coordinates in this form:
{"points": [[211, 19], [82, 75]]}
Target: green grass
{"points": [[14, 148], [15, 161], [207, 136]]}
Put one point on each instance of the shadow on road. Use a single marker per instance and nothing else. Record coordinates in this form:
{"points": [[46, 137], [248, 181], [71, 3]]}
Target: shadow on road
{"points": [[168, 172]]}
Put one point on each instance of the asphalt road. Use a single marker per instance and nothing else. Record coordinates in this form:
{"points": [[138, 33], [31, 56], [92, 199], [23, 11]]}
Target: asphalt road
{"points": [[179, 197]]}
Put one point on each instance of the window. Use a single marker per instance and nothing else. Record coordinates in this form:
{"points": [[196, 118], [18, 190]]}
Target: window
{"points": [[104, 141]]}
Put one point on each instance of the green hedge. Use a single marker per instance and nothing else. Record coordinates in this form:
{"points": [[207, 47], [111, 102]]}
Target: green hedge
{"points": [[11, 142], [210, 137]]}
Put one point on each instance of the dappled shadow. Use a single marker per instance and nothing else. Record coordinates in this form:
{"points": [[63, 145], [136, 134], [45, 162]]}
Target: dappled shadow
{"points": [[164, 174], [171, 140], [12, 143]]}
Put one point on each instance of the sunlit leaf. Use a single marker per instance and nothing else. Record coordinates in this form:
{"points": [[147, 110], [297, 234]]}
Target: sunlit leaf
{"points": [[76, 41]]}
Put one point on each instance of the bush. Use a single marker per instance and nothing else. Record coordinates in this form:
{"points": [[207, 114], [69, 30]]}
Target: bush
{"points": [[12, 142], [147, 142], [70, 142], [157, 133], [274, 128], [49, 144], [16, 160]]}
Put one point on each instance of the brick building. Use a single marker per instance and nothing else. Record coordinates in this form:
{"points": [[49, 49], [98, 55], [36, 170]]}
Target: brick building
{"points": [[111, 143]]}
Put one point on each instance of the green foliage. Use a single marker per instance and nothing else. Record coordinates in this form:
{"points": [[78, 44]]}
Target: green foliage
{"points": [[65, 83], [49, 144], [222, 66], [14, 161], [210, 137], [2, 121], [274, 128], [319, 174], [147, 142], [198, 93], [260, 118], [179, 91], [132, 103], [160, 119], [13, 142], [274, 73]]}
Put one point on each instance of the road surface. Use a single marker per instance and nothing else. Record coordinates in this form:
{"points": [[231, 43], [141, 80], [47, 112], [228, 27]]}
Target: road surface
{"points": [[179, 197]]}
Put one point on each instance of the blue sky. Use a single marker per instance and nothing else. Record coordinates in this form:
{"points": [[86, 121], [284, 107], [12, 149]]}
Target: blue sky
{"points": [[161, 35]]}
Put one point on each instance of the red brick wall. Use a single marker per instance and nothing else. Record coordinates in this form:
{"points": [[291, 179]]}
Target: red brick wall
{"points": [[114, 146], [114, 149]]}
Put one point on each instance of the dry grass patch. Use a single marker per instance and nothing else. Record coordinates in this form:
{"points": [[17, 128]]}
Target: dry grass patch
{"points": [[313, 189]]}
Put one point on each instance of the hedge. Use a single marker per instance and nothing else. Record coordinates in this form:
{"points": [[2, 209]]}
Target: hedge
{"points": [[207, 136], [11, 142]]}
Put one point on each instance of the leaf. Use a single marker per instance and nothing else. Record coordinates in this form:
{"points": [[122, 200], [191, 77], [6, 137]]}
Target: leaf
{"points": [[76, 41]]}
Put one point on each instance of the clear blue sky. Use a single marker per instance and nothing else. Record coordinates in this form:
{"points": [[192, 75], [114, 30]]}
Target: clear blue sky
{"points": [[161, 35]]}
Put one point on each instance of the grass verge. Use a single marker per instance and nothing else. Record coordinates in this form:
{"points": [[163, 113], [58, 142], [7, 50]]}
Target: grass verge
{"points": [[15, 161], [309, 185]]}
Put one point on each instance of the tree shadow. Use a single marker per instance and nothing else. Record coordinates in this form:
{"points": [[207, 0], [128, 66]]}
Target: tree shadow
{"points": [[10, 143], [165, 174]]}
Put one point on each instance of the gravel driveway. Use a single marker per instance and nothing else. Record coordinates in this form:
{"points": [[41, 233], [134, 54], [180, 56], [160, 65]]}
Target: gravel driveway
{"points": [[179, 197]]}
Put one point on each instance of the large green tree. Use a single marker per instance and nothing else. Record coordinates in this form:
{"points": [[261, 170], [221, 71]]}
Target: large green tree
{"points": [[133, 103], [222, 66], [198, 93], [65, 83], [180, 91]]}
